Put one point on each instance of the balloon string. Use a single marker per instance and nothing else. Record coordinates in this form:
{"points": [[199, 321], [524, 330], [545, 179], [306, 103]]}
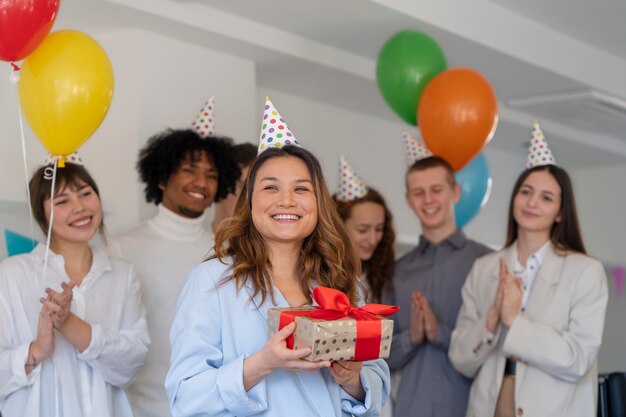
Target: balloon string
{"points": [[23, 141], [45, 261]]}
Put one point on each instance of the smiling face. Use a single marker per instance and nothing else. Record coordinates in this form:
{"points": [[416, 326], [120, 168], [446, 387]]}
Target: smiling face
{"points": [[365, 226], [537, 203], [284, 204], [432, 198], [77, 213], [191, 188]]}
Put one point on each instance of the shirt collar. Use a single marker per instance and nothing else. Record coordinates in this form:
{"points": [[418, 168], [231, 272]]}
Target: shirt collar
{"points": [[539, 255], [456, 240], [100, 261]]}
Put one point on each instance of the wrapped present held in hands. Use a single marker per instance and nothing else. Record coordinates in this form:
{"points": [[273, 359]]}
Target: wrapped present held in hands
{"points": [[335, 330]]}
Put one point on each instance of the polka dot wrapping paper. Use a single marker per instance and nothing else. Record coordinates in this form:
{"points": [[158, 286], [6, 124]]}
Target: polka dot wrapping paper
{"points": [[330, 340]]}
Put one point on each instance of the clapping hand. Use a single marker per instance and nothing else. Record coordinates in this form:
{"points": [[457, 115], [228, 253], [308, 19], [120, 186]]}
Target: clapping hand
{"points": [[431, 324], [416, 321], [62, 300]]}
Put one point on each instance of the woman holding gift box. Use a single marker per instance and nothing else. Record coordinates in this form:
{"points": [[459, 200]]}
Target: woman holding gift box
{"points": [[73, 331], [370, 226], [285, 239], [531, 342]]}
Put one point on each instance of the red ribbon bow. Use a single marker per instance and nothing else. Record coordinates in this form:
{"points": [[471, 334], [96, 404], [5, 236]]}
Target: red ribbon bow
{"points": [[333, 305]]}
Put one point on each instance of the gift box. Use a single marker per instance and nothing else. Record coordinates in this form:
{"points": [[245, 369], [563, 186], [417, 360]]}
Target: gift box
{"points": [[335, 330]]}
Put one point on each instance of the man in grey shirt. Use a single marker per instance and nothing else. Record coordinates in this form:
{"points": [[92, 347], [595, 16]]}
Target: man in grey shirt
{"points": [[427, 287]]}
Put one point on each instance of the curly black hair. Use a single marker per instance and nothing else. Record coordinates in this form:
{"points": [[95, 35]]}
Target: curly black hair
{"points": [[166, 151], [244, 153]]}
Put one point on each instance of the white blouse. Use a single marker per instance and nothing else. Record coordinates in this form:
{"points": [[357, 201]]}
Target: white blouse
{"points": [[70, 383]]}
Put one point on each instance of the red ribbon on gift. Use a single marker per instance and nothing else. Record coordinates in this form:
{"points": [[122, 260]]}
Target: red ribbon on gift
{"points": [[334, 305]]}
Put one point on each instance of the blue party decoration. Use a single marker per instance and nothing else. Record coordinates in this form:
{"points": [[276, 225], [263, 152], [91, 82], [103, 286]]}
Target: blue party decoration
{"points": [[18, 244], [475, 182]]}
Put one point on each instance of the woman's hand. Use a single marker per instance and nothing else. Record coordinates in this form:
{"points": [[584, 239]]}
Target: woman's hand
{"points": [[275, 355], [348, 375], [511, 299], [43, 346], [63, 300], [493, 314]]}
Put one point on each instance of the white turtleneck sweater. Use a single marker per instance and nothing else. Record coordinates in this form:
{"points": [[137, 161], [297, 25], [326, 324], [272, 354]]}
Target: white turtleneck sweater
{"points": [[163, 250]]}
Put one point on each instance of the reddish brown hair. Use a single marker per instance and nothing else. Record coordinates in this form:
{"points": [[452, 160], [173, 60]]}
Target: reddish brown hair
{"points": [[380, 267]]}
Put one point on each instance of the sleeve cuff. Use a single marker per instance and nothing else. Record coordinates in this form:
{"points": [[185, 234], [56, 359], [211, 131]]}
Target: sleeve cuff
{"points": [[442, 338], [236, 399], [19, 358], [514, 337], [351, 405], [96, 345]]}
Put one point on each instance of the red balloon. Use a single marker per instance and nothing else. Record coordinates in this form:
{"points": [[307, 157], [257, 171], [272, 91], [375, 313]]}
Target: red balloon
{"points": [[457, 115], [23, 25]]}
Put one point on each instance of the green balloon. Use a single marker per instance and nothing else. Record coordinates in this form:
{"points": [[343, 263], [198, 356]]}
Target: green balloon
{"points": [[406, 63]]}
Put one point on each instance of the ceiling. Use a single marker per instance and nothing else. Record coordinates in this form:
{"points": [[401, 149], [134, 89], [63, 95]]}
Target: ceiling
{"points": [[546, 60]]}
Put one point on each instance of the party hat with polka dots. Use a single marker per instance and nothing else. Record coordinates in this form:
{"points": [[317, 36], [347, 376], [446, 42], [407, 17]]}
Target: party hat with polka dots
{"points": [[351, 186], [204, 123], [415, 150], [73, 159], [538, 153], [274, 131]]}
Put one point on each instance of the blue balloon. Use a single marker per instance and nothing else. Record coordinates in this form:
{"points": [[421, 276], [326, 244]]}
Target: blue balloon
{"points": [[18, 244], [475, 183]]}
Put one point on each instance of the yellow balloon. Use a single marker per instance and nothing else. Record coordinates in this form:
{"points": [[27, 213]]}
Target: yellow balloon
{"points": [[65, 90]]}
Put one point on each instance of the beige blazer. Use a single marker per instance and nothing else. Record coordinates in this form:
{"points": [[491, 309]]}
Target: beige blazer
{"points": [[556, 339]]}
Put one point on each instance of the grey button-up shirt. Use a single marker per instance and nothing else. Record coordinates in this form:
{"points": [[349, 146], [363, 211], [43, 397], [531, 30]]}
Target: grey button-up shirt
{"points": [[430, 386]]}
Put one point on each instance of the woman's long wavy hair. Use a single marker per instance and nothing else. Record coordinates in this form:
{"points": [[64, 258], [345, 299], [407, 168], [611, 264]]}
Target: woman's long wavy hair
{"points": [[327, 255], [379, 268], [565, 234]]}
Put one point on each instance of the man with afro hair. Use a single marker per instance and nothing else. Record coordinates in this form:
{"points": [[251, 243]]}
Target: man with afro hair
{"points": [[183, 175]]}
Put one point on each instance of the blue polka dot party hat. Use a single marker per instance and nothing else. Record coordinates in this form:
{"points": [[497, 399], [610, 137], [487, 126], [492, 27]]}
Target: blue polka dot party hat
{"points": [[62, 159], [351, 186], [274, 130], [204, 123], [415, 150], [538, 152]]}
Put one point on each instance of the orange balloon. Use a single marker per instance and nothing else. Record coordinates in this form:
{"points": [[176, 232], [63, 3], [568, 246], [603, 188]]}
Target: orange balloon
{"points": [[457, 115]]}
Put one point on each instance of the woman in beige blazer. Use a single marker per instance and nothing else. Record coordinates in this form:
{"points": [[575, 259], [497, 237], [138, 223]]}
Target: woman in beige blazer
{"points": [[532, 318]]}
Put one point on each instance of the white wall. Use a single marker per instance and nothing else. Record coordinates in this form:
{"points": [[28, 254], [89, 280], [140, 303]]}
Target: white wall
{"points": [[601, 201]]}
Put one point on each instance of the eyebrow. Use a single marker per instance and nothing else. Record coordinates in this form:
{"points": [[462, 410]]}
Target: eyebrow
{"points": [[193, 164], [63, 193], [533, 188], [300, 180]]}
